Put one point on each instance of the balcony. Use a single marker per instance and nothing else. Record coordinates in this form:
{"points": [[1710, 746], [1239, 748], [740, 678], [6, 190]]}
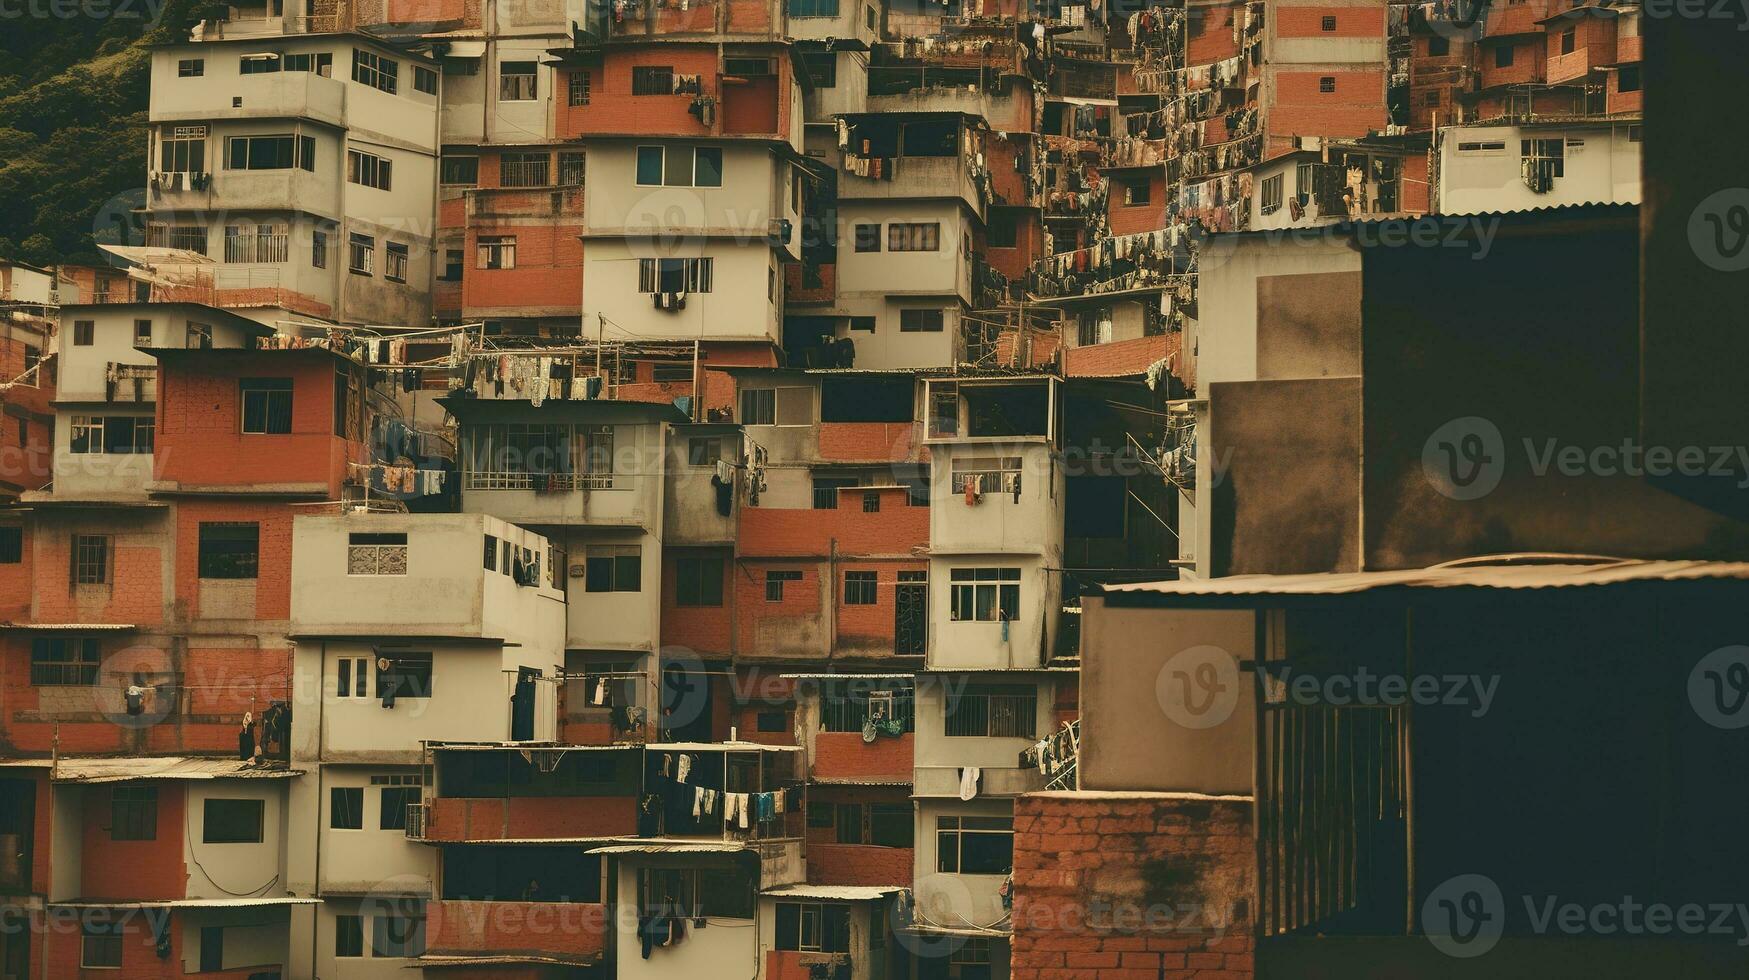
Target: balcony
{"points": [[915, 177], [451, 820], [276, 95], [1005, 104], [844, 757], [516, 202], [244, 191], [1574, 64], [573, 932]]}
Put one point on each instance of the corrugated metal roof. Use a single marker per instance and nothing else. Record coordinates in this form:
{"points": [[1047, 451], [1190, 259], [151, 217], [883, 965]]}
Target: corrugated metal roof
{"points": [[1520, 572], [439, 962], [720, 747], [845, 676], [850, 893], [124, 769], [71, 627], [657, 846], [189, 903]]}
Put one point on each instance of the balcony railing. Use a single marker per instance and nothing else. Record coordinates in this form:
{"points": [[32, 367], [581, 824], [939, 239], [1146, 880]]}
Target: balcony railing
{"points": [[540, 482]]}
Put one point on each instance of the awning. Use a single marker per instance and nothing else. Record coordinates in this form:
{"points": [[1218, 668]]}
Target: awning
{"points": [[524, 747], [439, 961], [465, 49], [848, 893], [1502, 572], [119, 770]]}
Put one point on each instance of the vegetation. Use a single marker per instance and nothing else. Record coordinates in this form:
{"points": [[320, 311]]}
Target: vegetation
{"points": [[73, 93]]}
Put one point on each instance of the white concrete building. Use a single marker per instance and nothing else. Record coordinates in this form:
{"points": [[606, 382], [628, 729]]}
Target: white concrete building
{"points": [[1538, 165]]}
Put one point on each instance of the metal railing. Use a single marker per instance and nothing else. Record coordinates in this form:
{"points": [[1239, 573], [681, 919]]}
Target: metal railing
{"points": [[417, 815], [543, 482], [848, 711]]}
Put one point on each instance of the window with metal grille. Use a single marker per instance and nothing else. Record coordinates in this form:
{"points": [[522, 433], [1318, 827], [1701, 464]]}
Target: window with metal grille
{"points": [[319, 249], [182, 154], [653, 80], [267, 405], [579, 88], [998, 476], [361, 254], [698, 581], [90, 559], [868, 238], [230, 549], [921, 236], [133, 813], [257, 243], [826, 490], [64, 661], [376, 554], [571, 169], [1327, 84], [774, 581], [992, 711], [1271, 193], [860, 588], [974, 845], [525, 170], [847, 705], [1548, 155], [676, 276]]}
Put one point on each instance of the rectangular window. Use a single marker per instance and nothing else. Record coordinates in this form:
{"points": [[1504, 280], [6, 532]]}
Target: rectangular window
{"points": [[1136, 194], [848, 823], [180, 153], [571, 169], [369, 68], [348, 936], [889, 825], [1431, 97], [652, 80], [322, 63], [517, 81], [491, 559], [11, 544], [821, 66], [368, 169], [864, 324], [868, 238], [1503, 56], [452, 265], [346, 808], [376, 554], [392, 808], [460, 171], [232, 821], [64, 661], [112, 434], [974, 845], [191, 68], [859, 588], [920, 321], [361, 254], [813, 927], [676, 276], [84, 333], [914, 236], [408, 675], [133, 813], [212, 949], [992, 711], [680, 166], [1548, 156], [257, 243], [613, 568], [230, 550], [525, 170], [1327, 84], [1271, 193], [1627, 79], [985, 595], [703, 450], [99, 943], [90, 559], [774, 583], [1438, 45], [258, 64], [813, 8], [270, 152], [698, 581], [142, 333], [397, 936], [1328, 24], [1568, 41], [578, 85], [495, 252], [267, 405], [352, 678], [319, 249], [395, 262], [424, 80]]}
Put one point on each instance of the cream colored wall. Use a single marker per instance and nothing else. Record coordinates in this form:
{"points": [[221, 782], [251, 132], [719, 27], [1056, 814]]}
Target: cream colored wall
{"points": [[222, 871]]}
